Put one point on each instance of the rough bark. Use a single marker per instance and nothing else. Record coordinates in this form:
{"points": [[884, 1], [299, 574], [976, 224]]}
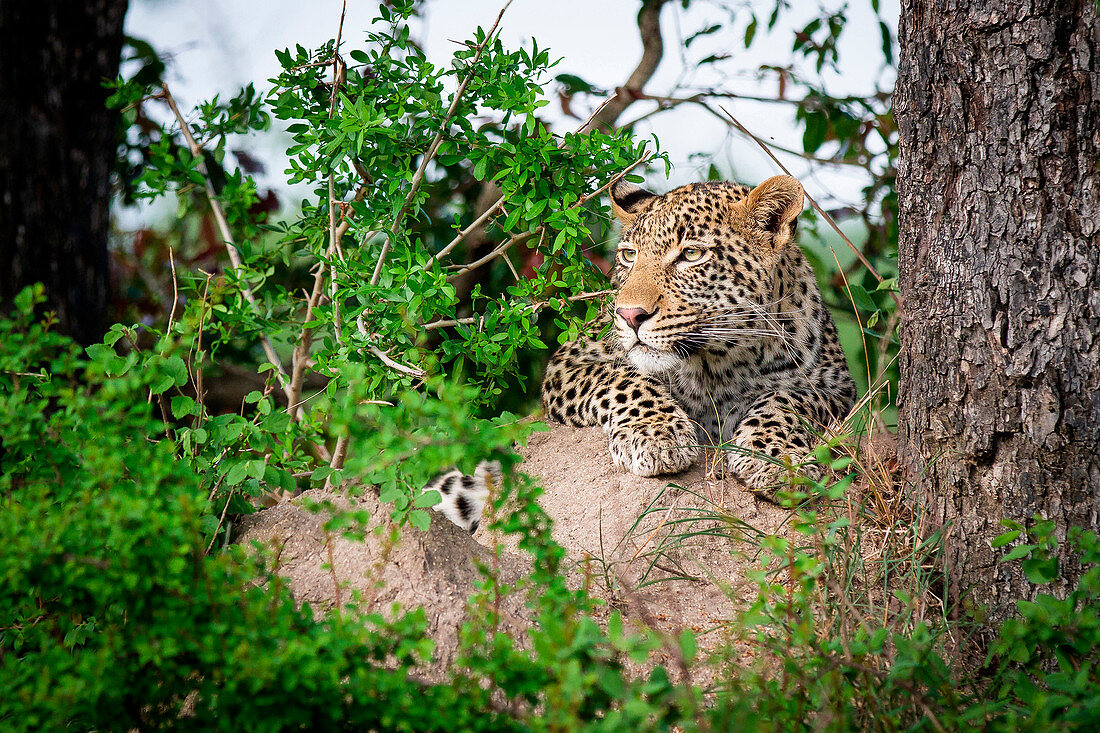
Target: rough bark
{"points": [[998, 106], [57, 150]]}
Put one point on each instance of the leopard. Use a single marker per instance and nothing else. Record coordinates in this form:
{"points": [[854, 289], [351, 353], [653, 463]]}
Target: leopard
{"points": [[717, 335]]}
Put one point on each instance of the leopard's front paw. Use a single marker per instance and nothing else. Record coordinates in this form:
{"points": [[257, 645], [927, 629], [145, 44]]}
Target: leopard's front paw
{"points": [[652, 449], [769, 477]]}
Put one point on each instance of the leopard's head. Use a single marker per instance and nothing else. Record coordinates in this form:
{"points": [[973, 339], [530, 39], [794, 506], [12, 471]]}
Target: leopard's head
{"points": [[696, 268]]}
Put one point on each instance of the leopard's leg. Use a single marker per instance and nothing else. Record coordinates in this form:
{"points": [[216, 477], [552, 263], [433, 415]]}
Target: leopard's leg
{"points": [[785, 422], [648, 432]]}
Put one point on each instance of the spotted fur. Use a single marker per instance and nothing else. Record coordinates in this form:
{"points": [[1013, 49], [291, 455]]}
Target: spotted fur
{"points": [[463, 497], [720, 336]]}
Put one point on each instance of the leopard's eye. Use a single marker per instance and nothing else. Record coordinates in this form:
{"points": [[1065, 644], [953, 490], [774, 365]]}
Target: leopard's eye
{"points": [[692, 254], [627, 255]]}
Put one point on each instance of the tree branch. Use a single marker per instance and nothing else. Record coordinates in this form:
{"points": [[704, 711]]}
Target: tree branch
{"points": [[449, 322], [227, 236], [485, 216], [384, 356], [336, 233], [653, 48]]}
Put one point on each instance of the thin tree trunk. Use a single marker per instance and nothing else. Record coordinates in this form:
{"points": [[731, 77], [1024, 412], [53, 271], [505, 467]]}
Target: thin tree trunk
{"points": [[998, 106], [57, 150]]}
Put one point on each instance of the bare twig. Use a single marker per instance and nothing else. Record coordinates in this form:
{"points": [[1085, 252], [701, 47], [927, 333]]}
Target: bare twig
{"points": [[336, 324], [396, 365], [512, 268], [339, 455], [587, 124], [227, 235], [200, 390], [501, 249], [175, 291], [825, 214], [449, 322], [301, 350], [485, 216], [418, 177], [614, 179], [384, 356], [221, 519], [334, 241]]}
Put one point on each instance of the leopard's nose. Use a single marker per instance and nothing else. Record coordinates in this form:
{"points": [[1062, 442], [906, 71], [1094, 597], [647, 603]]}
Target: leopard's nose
{"points": [[635, 316]]}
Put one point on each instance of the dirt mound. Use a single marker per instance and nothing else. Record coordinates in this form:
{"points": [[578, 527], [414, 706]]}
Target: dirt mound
{"points": [[659, 553], [436, 569], [663, 550]]}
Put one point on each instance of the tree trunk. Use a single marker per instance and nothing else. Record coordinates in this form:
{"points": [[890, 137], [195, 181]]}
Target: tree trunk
{"points": [[57, 151], [998, 106]]}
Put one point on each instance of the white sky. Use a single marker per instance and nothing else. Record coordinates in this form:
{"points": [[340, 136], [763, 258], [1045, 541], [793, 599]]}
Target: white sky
{"points": [[216, 46]]}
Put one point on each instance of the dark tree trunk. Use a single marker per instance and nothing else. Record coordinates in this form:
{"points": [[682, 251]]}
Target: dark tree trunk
{"points": [[998, 106], [57, 150]]}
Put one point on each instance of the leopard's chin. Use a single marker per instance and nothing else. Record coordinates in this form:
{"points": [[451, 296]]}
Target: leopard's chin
{"points": [[650, 360]]}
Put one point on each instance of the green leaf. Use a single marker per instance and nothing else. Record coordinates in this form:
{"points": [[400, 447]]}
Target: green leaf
{"points": [[237, 473], [1041, 570], [688, 645], [887, 42], [704, 32], [256, 469], [862, 298], [428, 499], [841, 463], [1004, 539], [99, 352], [420, 519], [183, 406], [117, 331], [176, 368], [574, 84], [1017, 552], [817, 127], [750, 31]]}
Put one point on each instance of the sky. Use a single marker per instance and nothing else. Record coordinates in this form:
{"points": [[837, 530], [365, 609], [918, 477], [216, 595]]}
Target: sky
{"points": [[216, 46]]}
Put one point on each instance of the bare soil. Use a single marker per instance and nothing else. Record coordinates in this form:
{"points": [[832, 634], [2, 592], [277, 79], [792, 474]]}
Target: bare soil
{"points": [[624, 554]]}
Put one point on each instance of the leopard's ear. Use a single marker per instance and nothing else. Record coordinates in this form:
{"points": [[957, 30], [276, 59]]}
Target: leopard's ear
{"points": [[774, 205], [628, 200]]}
